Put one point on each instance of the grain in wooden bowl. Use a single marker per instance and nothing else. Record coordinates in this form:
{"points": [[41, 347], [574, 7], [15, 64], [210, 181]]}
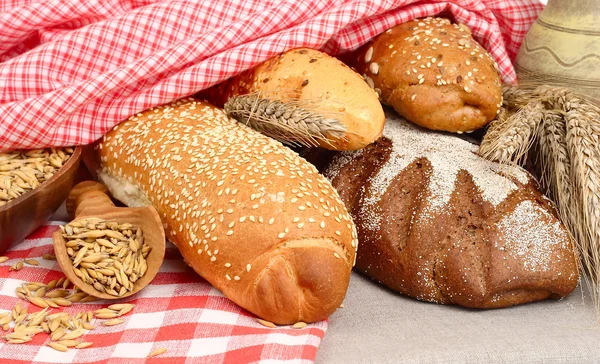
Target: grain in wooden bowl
{"points": [[33, 184], [107, 255]]}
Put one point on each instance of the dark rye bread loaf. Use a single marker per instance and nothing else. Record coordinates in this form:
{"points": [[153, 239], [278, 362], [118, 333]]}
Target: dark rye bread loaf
{"points": [[438, 223]]}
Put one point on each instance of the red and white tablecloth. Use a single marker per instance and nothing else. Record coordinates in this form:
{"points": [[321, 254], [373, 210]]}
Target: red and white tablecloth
{"points": [[72, 69], [178, 311]]}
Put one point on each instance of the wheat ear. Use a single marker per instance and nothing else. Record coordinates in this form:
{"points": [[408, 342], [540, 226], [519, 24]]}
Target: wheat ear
{"points": [[584, 159], [287, 122], [514, 97], [508, 140], [554, 165]]}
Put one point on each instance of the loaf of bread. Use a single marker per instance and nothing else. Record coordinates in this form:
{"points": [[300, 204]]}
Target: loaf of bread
{"points": [[433, 73], [247, 213], [305, 94], [439, 223]]}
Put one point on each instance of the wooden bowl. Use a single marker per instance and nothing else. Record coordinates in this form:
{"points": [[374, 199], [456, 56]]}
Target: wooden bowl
{"points": [[21, 216], [90, 199]]}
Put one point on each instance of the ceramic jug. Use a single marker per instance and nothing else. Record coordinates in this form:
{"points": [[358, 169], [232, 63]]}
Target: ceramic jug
{"points": [[563, 47]]}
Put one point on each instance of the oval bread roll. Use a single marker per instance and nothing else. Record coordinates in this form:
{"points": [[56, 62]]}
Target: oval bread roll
{"points": [[248, 214], [323, 83], [433, 73], [441, 224]]}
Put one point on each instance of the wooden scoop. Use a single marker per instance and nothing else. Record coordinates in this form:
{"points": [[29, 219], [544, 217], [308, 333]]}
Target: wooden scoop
{"points": [[90, 199]]}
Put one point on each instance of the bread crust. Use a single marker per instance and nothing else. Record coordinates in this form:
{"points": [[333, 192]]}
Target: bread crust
{"points": [[248, 214], [493, 241], [433, 73], [324, 83]]}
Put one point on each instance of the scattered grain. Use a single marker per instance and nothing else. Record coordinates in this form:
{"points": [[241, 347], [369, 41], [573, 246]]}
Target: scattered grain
{"points": [[113, 322], [156, 352], [299, 325], [266, 323], [58, 347]]}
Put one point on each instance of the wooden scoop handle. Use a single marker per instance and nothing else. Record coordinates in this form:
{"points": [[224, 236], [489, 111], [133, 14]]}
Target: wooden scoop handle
{"points": [[88, 195]]}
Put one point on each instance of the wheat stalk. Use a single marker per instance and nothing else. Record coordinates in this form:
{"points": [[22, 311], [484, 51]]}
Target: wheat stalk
{"points": [[289, 122]]}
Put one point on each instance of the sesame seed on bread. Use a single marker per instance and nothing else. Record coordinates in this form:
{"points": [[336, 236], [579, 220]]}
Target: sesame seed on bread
{"points": [[433, 73], [248, 214]]}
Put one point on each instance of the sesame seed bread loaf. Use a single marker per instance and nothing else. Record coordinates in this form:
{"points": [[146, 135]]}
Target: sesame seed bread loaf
{"points": [[433, 73], [247, 214], [441, 224], [307, 78]]}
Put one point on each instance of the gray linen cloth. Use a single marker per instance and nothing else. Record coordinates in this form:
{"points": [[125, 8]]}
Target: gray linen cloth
{"points": [[377, 325]]}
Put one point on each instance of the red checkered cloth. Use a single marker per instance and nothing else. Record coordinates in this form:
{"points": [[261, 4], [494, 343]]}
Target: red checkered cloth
{"points": [[70, 69], [178, 311]]}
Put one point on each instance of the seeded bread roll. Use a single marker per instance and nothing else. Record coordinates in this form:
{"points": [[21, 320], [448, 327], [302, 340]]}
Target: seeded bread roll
{"points": [[433, 73], [308, 79], [248, 214]]}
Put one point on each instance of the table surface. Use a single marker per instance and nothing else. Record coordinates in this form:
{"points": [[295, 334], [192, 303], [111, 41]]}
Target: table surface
{"points": [[377, 325]]}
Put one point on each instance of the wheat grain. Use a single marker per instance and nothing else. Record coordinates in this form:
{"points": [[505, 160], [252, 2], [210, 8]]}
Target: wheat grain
{"points": [[121, 306], [88, 326], [82, 345], [69, 342], [58, 347], [61, 301], [88, 298], [17, 310], [113, 322], [45, 327], [299, 325], [17, 266], [5, 320], [40, 292], [57, 293], [73, 334], [101, 249], [40, 302], [156, 352], [18, 336], [266, 323], [22, 171], [31, 262], [58, 333], [51, 303]]}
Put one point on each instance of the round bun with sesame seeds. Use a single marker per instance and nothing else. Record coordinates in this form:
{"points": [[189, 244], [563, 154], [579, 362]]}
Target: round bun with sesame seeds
{"points": [[433, 73], [247, 213]]}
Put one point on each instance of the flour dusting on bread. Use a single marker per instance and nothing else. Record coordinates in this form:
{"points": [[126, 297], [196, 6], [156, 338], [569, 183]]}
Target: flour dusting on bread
{"points": [[438, 223], [448, 155], [530, 236]]}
